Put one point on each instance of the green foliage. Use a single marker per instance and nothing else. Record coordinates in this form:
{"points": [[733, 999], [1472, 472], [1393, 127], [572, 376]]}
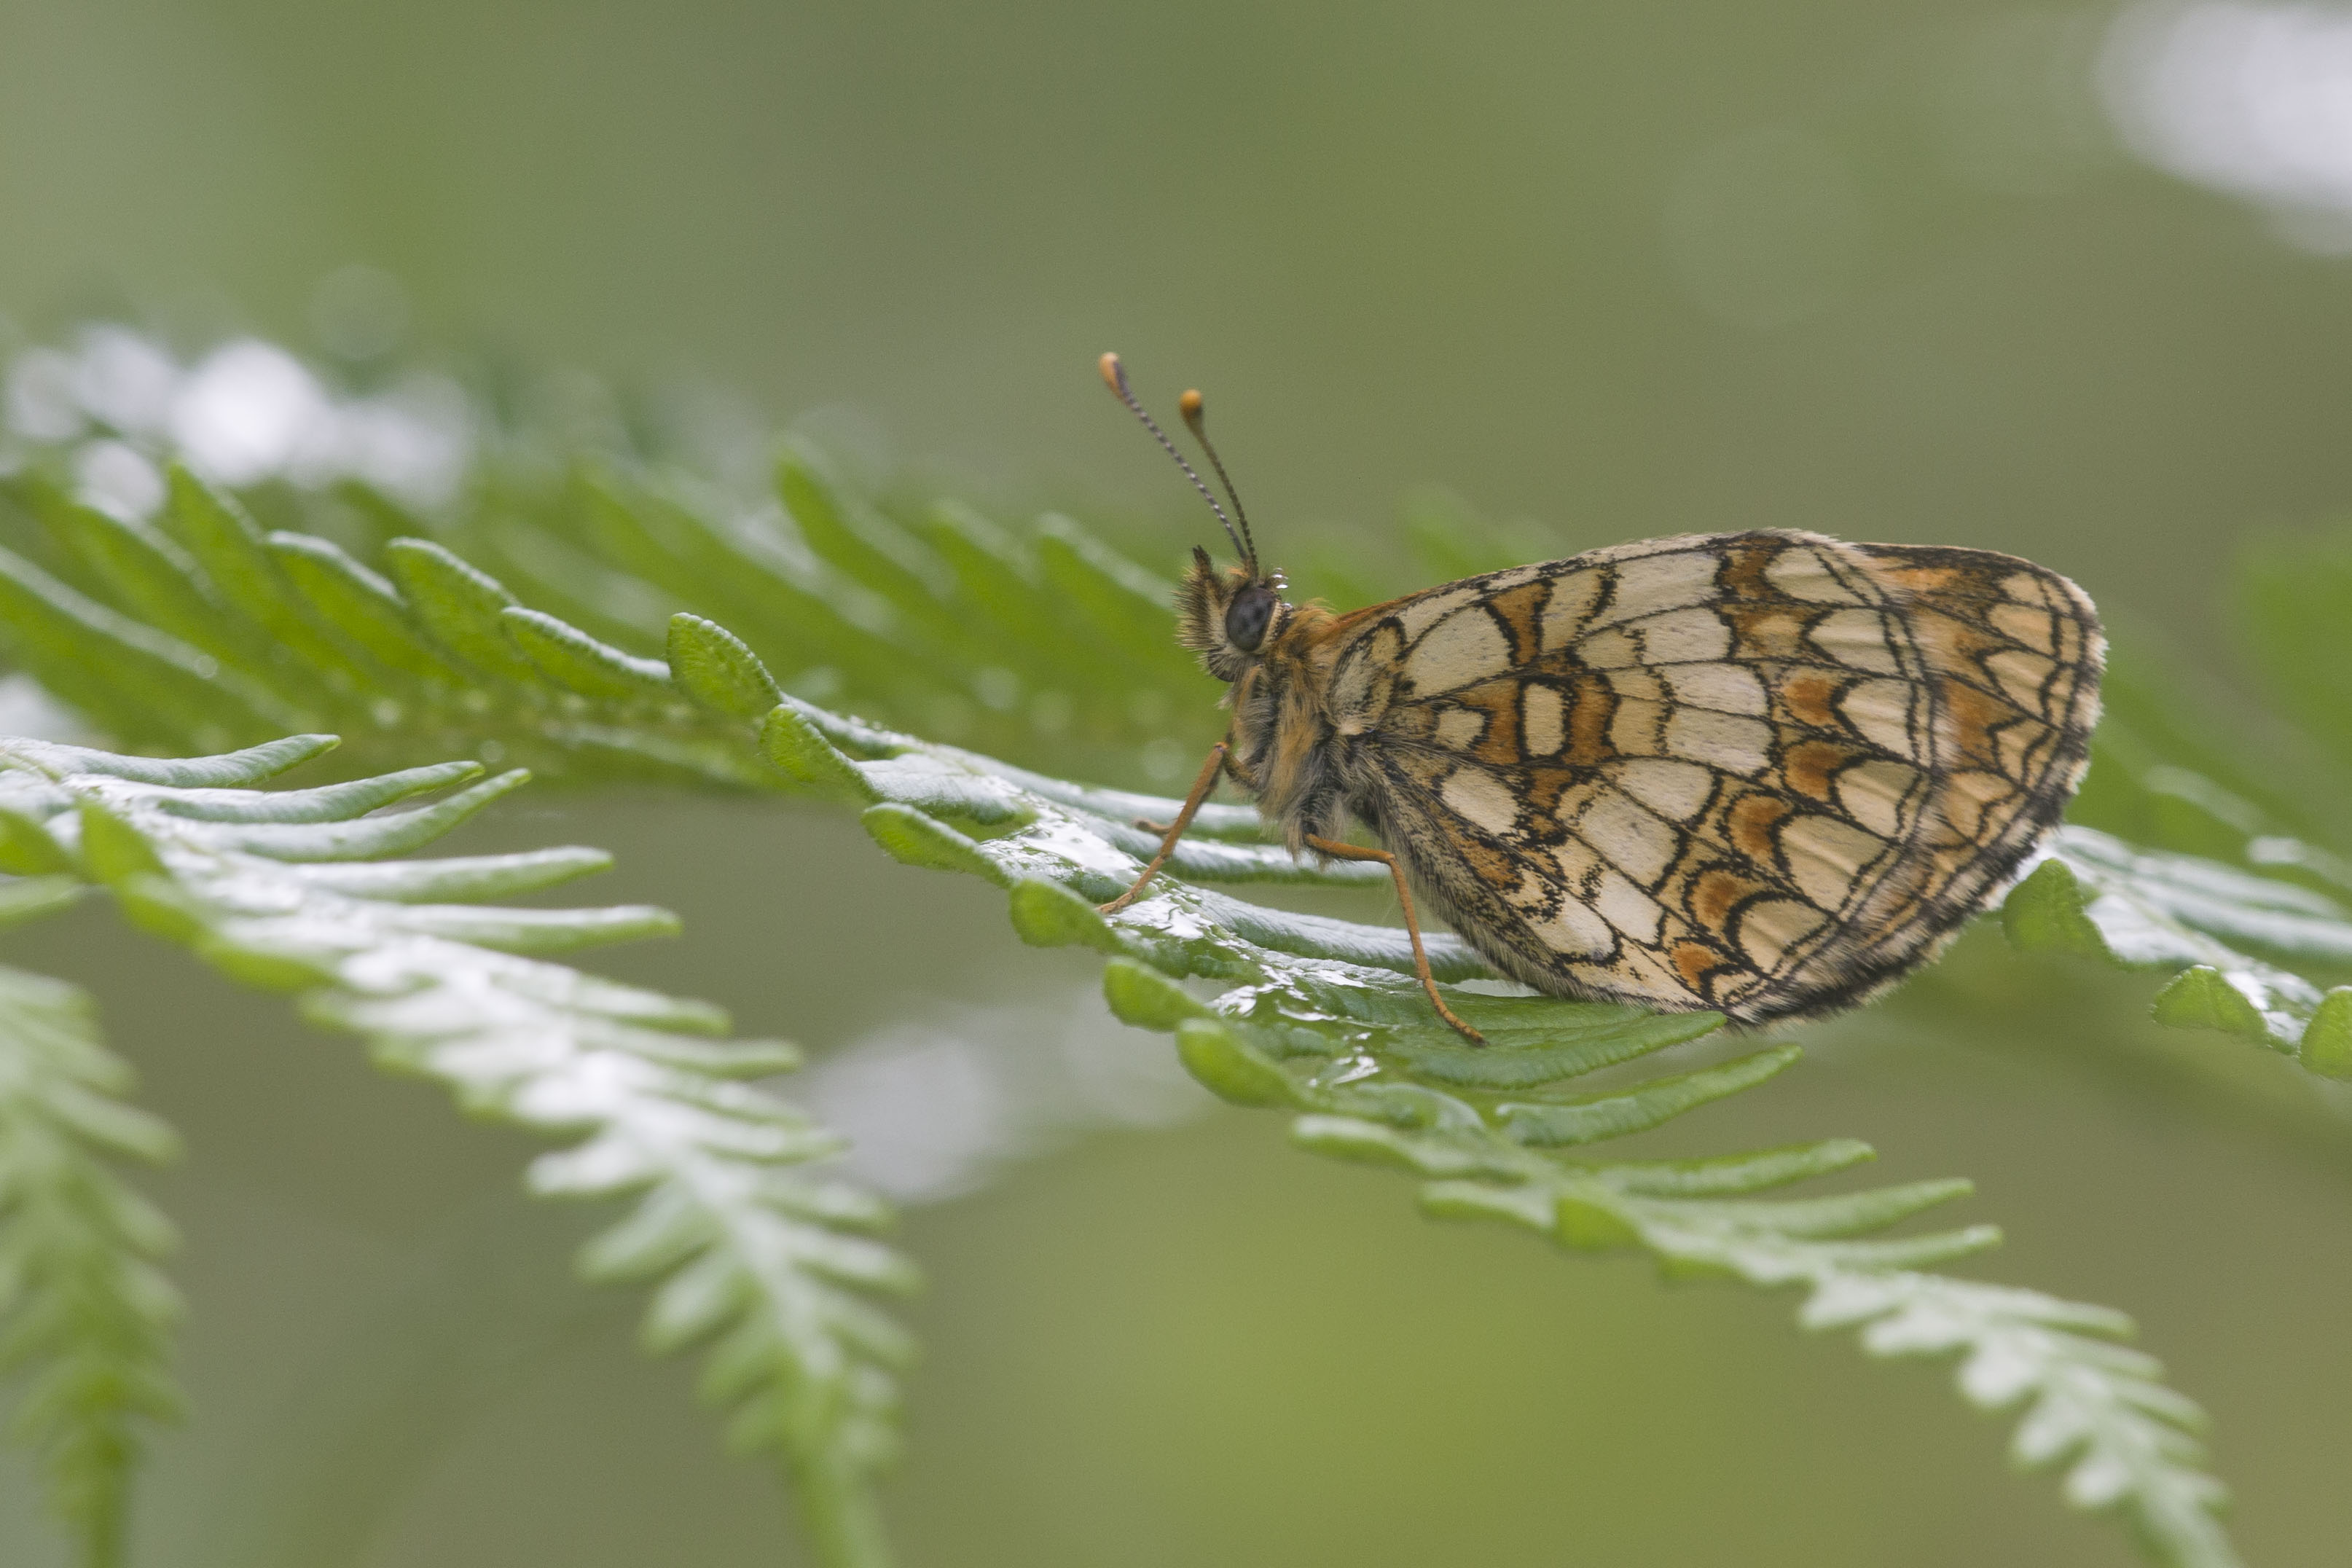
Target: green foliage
{"points": [[1321, 1018], [2292, 596], [1036, 641], [2185, 856], [205, 630], [2097, 897], [85, 1315], [300, 891], [610, 617]]}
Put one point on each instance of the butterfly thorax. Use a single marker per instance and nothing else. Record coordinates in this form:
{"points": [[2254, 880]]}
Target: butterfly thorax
{"points": [[1287, 753], [1275, 657]]}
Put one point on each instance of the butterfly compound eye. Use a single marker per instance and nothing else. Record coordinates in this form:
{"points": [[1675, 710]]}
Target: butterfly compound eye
{"points": [[1246, 621]]}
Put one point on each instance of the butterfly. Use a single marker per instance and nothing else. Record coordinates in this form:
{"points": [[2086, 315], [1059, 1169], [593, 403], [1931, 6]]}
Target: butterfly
{"points": [[1765, 773]]}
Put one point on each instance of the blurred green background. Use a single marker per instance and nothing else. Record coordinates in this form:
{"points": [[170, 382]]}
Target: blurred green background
{"points": [[1912, 272]]}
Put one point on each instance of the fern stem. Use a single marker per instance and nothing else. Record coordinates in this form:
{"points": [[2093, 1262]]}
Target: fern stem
{"points": [[101, 1533], [840, 1517]]}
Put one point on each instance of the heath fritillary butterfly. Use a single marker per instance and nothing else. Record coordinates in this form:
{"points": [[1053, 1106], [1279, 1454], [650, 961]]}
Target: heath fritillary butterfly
{"points": [[1765, 773]]}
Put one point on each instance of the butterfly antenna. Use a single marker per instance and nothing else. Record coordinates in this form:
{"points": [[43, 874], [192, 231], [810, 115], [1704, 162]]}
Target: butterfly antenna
{"points": [[1114, 376], [1196, 418]]}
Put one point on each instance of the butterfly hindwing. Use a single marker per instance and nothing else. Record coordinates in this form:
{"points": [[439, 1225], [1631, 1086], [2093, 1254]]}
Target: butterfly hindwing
{"points": [[1761, 772]]}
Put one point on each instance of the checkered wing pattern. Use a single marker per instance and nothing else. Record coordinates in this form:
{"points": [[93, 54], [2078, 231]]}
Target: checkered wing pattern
{"points": [[1759, 772]]}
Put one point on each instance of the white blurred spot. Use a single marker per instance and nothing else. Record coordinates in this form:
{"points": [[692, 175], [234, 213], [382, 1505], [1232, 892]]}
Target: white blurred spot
{"points": [[933, 1110], [2255, 100], [247, 411], [413, 441], [124, 379], [251, 411], [41, 404], [116, 478], [1766, 228]]}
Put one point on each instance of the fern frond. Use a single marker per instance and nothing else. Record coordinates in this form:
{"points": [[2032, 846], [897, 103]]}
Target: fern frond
{"points": [[1326, 1023], [203, 630], [85, 1314], [299, 891], [1481, 1129]]}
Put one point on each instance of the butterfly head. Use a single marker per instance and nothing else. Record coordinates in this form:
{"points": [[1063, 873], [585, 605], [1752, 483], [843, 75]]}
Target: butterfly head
{"points": [[1228, 616]]}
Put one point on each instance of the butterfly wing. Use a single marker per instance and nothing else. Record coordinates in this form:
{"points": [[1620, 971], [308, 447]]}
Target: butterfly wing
{"points": [[1759, 773]]}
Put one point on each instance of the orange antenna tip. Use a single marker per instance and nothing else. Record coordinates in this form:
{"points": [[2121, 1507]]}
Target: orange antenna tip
{"points": [[1114, 376], [1196, 418]]}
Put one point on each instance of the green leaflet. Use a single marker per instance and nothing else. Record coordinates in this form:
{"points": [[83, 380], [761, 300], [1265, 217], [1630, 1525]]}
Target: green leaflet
{"points": [[2096, 898], [2094, 895], [768, 1268], [713, 666]]}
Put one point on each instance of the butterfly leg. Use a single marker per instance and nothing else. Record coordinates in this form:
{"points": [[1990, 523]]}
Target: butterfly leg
{"points": [[1338, 851], [1175, 830]]}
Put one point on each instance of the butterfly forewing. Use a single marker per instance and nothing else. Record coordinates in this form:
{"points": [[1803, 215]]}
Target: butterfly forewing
{"points": [[1761, 772]]}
